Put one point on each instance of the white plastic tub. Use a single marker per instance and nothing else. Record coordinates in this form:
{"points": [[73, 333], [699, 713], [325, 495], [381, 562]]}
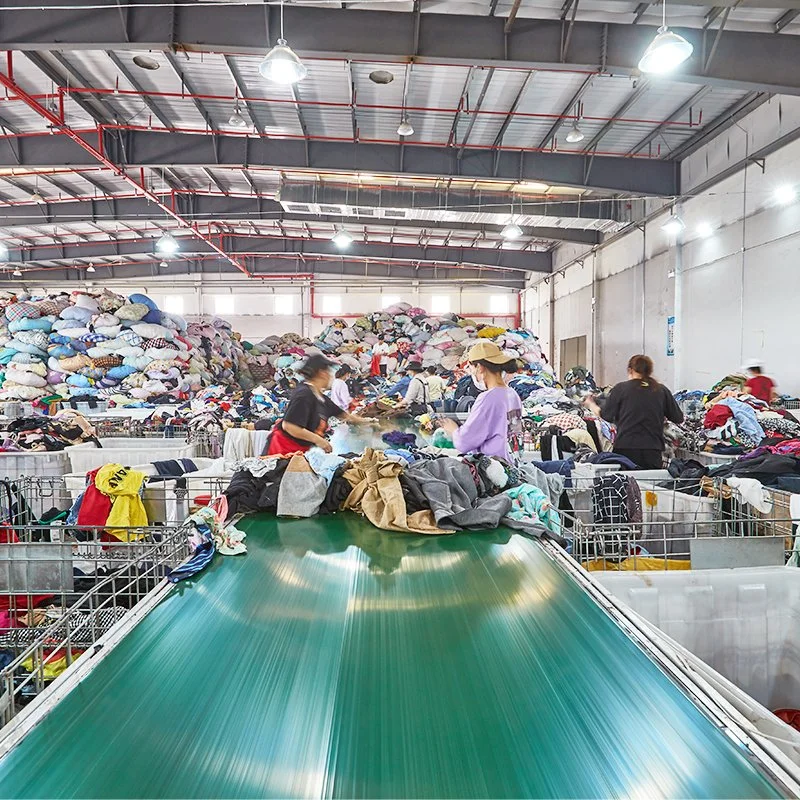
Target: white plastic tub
{"points": [[45, 464], [128, 451], [745, 623]]}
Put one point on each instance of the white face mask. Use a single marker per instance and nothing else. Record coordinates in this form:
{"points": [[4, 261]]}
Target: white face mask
{"points": [[476, 378]]}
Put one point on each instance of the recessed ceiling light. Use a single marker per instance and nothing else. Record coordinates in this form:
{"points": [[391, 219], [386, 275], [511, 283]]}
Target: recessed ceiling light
{"points": [[382, 76], [146, 62]]}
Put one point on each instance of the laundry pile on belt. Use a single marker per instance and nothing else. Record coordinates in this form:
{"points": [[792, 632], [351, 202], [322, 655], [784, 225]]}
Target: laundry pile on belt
{"points": [[104, 345]]}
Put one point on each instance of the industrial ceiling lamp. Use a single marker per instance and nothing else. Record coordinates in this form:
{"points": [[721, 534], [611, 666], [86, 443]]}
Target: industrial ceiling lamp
{"points": [[673, 226], [667, 51], [575, 134], [236, 119], [17, 273], [91, 268], [405, 128], [282, 65], [163, 265], [167, 245], [511, 231], [342, 239]]}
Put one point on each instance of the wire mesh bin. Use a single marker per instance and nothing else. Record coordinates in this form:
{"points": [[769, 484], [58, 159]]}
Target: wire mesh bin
{"points": [[92, 579]]}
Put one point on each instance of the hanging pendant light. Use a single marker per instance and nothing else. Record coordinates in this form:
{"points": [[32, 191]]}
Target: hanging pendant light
{"points": [[575, 134], [17, 273], [90, 268], [511, 231], [405, 128], [236, 120], [673, 226], [667, 51], [282, 65], [342, 239], [167, 245]]}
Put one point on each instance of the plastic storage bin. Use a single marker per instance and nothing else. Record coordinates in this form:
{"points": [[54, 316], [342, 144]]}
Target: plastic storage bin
{"points": [[129, 451], [47, 464], [742, 622]]}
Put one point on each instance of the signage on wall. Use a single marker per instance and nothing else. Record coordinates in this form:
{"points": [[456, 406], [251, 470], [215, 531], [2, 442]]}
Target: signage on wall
{"points": [[670, 336]]}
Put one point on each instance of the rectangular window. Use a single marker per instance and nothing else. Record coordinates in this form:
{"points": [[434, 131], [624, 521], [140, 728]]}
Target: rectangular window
{"points": [[498, 304], [284, 304], [440, 304], [331, 304], [223, 304], [173, 303], [389, 300]]}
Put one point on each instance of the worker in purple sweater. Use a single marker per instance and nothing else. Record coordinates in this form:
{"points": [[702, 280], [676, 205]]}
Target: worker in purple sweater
{"points": [[497, 412]]}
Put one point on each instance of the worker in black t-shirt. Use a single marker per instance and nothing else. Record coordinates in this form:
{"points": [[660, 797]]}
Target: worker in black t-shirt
{"points": [[639, 407], [306, 417]]}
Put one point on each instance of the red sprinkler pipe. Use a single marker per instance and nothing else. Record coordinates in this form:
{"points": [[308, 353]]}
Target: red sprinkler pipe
{"points": [[57, 124]]}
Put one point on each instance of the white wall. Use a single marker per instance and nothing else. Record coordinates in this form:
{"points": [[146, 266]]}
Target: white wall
{"points": [[734, 294], [260, 308]]}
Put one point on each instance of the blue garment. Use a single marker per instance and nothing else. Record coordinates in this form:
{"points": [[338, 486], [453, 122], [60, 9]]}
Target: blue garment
{"points": [[555, 467], [72, 517], [324, 464], [612, 458], [400, 387], [200, 559], [531, 503], [404, 454], [745, 417]]}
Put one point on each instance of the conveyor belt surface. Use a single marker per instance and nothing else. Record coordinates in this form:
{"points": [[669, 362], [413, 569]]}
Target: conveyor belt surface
{"points": [[336, 660]]}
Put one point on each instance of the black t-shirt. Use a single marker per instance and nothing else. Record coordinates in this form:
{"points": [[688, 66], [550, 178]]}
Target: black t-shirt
{"points": [[308, 411], [639, 408]]}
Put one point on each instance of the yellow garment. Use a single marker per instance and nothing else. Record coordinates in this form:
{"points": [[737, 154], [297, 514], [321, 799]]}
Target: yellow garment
{"points": [[580, 436], [490, 332], [637, 564], [56, 664], [122, 485]]}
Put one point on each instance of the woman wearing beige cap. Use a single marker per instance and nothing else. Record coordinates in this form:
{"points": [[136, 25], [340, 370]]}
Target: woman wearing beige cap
{"points": [[497, 413]]}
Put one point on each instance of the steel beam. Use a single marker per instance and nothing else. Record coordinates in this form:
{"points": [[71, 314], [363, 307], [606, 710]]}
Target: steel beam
{"points": [[246, 246], [745, 60], [209, 208], [161, 148], [263, 268], [678, 112]]}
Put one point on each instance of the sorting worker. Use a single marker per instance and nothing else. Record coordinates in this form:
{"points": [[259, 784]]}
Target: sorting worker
{"points": [[340, 393], [496, 415], [417, 397], [639, 407], [306, 417], [759, 385], [435, 388]]}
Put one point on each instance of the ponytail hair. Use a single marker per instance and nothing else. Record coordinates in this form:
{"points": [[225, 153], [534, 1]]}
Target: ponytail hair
{"points": [[643, 365]]}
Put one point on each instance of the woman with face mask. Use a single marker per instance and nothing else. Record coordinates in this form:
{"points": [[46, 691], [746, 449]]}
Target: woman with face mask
{"points": [[496, 414], [306, 417]]}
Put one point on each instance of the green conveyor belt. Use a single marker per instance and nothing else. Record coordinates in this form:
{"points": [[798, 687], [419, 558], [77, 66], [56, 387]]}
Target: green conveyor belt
{"points": [[336, 660]]}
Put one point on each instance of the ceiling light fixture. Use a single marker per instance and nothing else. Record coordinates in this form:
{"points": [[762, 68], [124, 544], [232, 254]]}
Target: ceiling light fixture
{"points": [[575, 134], [511, 231], [236, 120], [381, 76], [37, 198], [667, 51], [673, 226], [342, 239], [785, 194], [405, 128], [167, 245], [163, 264], [17, 273], [145, 62], [704, 230], [281, 64], [91, 268]]}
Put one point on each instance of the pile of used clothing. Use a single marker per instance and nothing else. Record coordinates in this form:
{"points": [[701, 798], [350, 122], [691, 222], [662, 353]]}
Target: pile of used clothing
{"points": [[38, 433], [401, 488]]}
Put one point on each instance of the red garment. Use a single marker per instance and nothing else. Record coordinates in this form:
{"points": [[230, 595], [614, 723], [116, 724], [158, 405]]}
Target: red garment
{"points": [[375, 366], [281, 445], [717, 416], [96, 506], [761, 387]]}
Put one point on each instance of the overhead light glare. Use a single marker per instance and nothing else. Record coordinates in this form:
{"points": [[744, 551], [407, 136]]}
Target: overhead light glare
{"points": [[785, 194], [704, 230], [405, 128], [282, 65], [167, 245], [673, 226], [342, 239], [665, 53], [575, 134], [511, 231]]}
